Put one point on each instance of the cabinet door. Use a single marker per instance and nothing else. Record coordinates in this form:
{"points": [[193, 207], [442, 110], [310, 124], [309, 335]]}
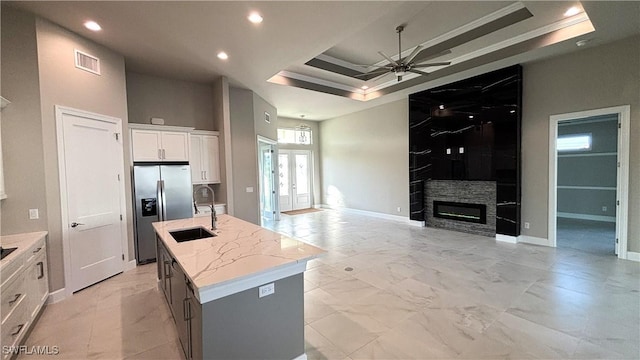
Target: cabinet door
{"points": [[195, 159], [38, 285], [175, 146], [146, 145], [195, 327], [211, 159], [179, 304]]}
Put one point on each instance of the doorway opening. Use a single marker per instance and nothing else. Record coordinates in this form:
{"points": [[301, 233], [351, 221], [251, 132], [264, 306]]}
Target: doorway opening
{"points": [[588, 177], [267, 180], [294, 174]]}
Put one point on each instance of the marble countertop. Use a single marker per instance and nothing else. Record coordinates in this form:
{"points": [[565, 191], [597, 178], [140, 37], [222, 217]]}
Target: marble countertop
{"points": [[241, 256], [22, 241]]}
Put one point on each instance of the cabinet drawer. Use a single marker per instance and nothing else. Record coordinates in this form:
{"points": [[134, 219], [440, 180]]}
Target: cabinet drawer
{"points": [[14, 327], [37, 249], [12, 296]]}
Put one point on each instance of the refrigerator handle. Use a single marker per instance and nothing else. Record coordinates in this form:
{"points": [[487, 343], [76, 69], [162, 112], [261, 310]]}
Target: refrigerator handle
{"points": [[160, 202], [164, 201]]}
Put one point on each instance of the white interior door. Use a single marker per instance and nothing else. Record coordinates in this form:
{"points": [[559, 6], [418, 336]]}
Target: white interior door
{"points": [[295, 179], [91, 168]]}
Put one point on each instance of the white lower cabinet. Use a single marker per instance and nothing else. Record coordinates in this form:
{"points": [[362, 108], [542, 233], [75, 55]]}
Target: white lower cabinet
{"points": [[24, 291]]}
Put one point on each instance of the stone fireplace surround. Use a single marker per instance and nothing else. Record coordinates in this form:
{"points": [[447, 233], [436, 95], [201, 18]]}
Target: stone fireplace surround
{"points": [[462, 191]]}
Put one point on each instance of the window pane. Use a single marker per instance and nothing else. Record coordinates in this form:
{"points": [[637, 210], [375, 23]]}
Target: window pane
{"points": [[579, 142], [283, 174], [292, 136], [302, 174]]}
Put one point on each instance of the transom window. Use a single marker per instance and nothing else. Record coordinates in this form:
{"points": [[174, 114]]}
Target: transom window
{"points": [[294, 136]]}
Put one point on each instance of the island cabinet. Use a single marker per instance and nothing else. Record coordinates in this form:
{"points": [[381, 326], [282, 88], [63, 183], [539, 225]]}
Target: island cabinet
{"points": [[237, 295]]}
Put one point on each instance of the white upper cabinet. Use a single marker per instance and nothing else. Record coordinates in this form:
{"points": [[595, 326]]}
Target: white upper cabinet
{"points": [[159, 145], [205, 158]]}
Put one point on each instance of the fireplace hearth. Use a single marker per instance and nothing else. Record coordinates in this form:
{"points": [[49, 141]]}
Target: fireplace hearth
{"points": [[474, 213]]}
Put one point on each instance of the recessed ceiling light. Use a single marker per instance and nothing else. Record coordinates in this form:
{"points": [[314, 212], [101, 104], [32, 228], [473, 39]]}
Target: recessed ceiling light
{"points": [[223, 55], [441, 107], [255, 18], [364, 87], [572, 11], [92, 25]]}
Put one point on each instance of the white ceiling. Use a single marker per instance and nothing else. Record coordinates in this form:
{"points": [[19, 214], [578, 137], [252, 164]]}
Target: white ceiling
{"points": [[180, 39]]}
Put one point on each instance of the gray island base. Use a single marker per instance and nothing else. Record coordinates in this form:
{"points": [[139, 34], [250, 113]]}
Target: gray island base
{"points": [[245, 301]]}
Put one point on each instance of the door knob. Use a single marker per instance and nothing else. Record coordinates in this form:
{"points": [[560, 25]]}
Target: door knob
{"points": [[74, 224]]}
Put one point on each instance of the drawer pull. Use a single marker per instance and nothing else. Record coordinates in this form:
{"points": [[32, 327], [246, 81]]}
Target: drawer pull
{"points": [[37, 250], [15, 299], [18, 331], [41, 265]]}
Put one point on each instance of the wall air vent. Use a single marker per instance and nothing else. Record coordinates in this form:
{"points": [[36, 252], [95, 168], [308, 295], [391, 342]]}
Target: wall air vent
{"points": [[87, 62]]}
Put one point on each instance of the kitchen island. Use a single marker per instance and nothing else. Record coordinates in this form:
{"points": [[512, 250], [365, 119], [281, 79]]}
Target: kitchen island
{"points": [[237, 295]]}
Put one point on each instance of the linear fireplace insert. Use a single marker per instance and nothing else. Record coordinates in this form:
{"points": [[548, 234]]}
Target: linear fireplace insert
{"points": [[475, 213]]}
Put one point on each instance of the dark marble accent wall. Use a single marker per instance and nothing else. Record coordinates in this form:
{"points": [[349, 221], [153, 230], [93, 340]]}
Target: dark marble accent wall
{"points": [[469, 130], [470, 192]]}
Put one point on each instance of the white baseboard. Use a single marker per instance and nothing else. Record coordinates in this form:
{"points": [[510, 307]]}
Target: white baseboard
{"points": [[534, 240], [586, 217], [130, 265], [301, 357], [56, 296], [633, 256], [417, 223], [403, 219], [507, 238]]}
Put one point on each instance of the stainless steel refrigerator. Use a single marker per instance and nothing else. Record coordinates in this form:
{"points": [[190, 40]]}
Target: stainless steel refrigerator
{"points": [[161, 192]]}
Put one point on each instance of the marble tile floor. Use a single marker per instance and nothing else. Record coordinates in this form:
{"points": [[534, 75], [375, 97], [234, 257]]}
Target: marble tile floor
{"points": [[388, 290]]}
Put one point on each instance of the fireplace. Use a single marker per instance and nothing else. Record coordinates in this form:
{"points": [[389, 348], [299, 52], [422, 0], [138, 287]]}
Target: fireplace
{"points": [[475, 213]]}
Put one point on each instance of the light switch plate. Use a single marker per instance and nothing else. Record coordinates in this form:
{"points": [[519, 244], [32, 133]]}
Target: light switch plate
{"points": [[33, 214], [250, 189], [265, 290]]}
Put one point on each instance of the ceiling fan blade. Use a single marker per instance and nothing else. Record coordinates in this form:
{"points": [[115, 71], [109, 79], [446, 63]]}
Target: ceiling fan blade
{"points": [[388, 58], [388, 67], [413, 54], [424, 55], [418, 72], [375, 73], [431, 64]]}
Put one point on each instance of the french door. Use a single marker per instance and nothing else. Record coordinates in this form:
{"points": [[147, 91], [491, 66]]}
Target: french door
{"points": [[294, 176]]}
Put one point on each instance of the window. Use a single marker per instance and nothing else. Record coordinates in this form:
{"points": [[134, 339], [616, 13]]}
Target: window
{"points": [[294, 136], [574, 142]]}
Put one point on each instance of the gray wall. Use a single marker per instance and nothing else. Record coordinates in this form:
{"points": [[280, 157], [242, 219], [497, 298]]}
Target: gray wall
{"points": [[39, 73], [221, 123], [61, 83], [365, 159], [576, 170], [245, 154], [290, 123], [592, 78], [179, 103], [262, 128], [21, 126]]}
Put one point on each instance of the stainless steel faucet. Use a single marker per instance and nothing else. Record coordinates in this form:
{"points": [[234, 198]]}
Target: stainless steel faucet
{"points": [[214, 217]]}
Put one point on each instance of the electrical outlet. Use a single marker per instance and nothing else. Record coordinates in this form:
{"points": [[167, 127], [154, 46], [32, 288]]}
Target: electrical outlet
{"points": [[33, 214], [526, 225], [265, 290], [399, 209], [604, 209]]}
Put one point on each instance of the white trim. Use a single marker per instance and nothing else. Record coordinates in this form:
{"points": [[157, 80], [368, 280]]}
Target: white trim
{"points": [[586, 217], [507, 238], [138, 126], [130, 265], [301, 357], [417, 223], [633, 256], [533, 240], [57, 296], [622, 193], [205, 132], [274, 160], [403, 219], [234, 286], [64, 218]]}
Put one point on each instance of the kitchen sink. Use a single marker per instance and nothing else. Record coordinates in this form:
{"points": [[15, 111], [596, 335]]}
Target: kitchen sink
{"points": [[191, 234]]}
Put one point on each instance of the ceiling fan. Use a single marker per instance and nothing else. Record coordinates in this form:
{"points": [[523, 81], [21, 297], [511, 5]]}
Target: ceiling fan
{"points": [[403, 65]]}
